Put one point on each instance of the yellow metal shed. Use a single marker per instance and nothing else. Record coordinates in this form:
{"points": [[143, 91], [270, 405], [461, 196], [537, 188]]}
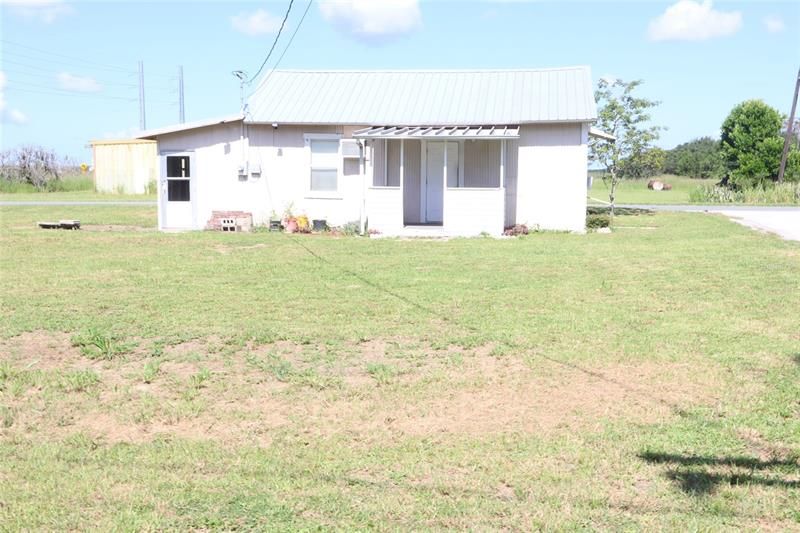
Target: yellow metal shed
{"points": [[126, 166]]}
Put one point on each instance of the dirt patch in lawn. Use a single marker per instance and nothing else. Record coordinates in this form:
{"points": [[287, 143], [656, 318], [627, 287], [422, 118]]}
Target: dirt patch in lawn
{"points": [[43, 350], [375, 390], [487, 395]]}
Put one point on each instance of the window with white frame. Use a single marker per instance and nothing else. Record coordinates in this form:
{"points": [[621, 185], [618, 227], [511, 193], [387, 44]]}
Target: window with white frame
{"points": [[324, 164]]}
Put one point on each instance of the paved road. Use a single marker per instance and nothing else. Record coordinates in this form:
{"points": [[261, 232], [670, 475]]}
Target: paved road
{"points": [[781, 220], [86, 203]]}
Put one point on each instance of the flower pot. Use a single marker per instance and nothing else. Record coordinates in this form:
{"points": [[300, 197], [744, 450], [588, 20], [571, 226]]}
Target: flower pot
{"points": [[320, 225]]}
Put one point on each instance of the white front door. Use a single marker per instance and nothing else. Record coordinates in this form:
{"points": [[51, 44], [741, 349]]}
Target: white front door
{"points": [[176, 190], [434, 177]]}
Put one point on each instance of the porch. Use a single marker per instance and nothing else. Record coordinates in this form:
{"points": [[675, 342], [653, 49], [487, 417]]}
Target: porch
{"points": [[438, 181]]}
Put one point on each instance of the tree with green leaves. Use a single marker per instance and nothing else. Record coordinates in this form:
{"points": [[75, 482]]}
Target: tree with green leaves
{"points": [[751, 144], [700, 158], [626, 117], [646, 164]]}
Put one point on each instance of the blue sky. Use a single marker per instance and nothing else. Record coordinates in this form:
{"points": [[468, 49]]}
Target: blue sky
{"points": [[69, 68]]}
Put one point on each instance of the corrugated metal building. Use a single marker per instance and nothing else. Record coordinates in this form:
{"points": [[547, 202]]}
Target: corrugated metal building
{"points": [[127, 166]]}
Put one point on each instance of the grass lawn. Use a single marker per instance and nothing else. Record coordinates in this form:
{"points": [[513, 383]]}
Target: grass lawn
{"points": [[74, 196], [646, 379], [636, 191]]}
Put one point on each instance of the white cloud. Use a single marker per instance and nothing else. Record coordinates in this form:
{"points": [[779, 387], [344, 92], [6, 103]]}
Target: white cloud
{"points": [[80, 84], [688, 20], [7, 114], [258, 22], [774, 24], [373, 20], [46, 11], [16, 116]]}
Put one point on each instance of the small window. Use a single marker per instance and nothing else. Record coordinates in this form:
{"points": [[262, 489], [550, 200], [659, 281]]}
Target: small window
{"points": [[178, 191], [178, 166], [324, 165]]}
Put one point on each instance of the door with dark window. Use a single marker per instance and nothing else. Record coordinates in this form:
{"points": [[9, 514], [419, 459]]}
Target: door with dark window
{"points": [[176, 190]]}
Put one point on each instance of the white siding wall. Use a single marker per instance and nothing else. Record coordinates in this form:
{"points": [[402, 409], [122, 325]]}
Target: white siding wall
{"points": [[512, 152], [284, 160], [215, 183], [551, 176], [385, 209], [470, 212], [545, 180]]}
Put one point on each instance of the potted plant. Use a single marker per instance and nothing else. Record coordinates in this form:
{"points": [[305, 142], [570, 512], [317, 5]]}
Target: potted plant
{"points": [[303, 225], [289, 220]]}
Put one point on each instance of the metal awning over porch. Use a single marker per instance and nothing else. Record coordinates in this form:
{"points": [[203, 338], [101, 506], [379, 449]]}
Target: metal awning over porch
{"points": [[438, 132]]}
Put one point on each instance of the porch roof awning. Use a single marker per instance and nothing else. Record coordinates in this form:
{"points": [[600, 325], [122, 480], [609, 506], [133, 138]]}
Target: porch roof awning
{"points": [[438, 132]]}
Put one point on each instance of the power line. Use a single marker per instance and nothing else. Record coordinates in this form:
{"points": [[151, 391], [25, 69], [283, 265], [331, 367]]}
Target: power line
{"points": [[52, 76], [274, 43], [41, 68], [104, 65], [56, 92], [67, 63], [48, 87], [286, 48]]}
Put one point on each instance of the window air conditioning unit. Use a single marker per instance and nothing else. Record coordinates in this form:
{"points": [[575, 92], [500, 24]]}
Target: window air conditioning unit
{"points": [[351, 149]]}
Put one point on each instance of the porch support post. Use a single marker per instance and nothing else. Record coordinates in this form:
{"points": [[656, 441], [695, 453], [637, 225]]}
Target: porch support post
{"points": [[502, 163], [402, 179], [385, 162], [445, 164], [444, 187], [365, 176]]}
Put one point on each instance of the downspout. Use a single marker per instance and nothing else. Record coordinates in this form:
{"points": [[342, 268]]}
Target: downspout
{"points": [[363, 218]]}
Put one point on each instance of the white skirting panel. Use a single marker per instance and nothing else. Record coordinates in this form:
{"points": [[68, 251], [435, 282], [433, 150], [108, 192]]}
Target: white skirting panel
{"points": [[470, 212], [385, 209]]}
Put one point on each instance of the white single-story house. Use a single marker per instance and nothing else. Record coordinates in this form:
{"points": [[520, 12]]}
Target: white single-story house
{"points": [[455, 153]]}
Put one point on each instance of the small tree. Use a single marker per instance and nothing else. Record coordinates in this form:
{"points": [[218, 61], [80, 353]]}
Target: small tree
{"points": [[700, 158], [647, 164], [35, 165], [624, 116], [751, 143]]}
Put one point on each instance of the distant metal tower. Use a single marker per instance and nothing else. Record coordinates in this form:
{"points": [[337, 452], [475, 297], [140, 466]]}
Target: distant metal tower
{"points": [[181, 113], [142, 121]]}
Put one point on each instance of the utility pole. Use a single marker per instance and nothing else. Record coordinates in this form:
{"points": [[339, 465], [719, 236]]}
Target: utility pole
{"points": [[181, 114], [789, 128], [142, 121], [242, 76]]}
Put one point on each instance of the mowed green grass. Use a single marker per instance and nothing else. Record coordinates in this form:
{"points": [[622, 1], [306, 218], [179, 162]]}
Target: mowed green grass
{"points": [[647, 379], [75, 196], [636, 191]]}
